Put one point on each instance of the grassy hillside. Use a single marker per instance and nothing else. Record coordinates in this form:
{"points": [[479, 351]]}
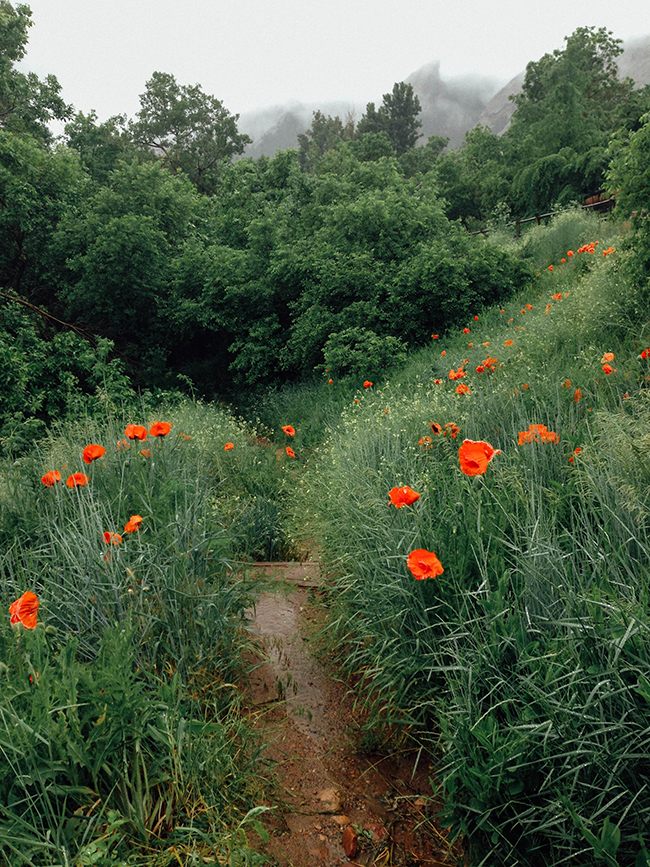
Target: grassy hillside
{"points": [[525, 664]]}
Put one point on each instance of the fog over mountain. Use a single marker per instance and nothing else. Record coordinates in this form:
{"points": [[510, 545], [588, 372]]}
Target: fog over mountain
{"points": [[449, 107]]}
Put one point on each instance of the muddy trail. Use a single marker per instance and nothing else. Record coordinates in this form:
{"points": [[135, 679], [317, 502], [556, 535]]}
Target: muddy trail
{"points": [[333, 803]]}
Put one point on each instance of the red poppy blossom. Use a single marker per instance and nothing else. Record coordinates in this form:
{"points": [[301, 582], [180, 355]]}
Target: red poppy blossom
{"points": [[607, 369], [443, 353], [24, 610], [452, 429], [290, 432], [290, 452], [577, 397], [608, 356], [538, 433], [145, 453], [424, 564], [529, 306], [646, 353], [51, 478], [435, 427], [135, 432], [403, 496], [133, 524], [457, 374], [575, 452], [437, 382], [475, 456], [435, 336], [425, 442], [465, 330], [229, 446], [112, 538], [159, 429], [550, 267], [566, 383], [476, 319], [557, 296], [92, 452], [508, 342], [330, 381], [463, 389], [480, 369], [570, 253], [367, 384], [77, 480]]}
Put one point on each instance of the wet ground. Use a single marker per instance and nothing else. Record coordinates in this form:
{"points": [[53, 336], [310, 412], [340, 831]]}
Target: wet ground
{"points": [[333, 804]]}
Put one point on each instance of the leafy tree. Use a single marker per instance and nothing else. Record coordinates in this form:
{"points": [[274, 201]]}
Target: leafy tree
{"points": [[37, 185], [324, 134], [100, 145], [397, 117], [187, 129], [27, 103], [571, 103]]}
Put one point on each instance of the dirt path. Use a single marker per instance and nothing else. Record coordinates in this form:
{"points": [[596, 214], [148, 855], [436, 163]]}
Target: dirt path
{"points": [[332, 803]]}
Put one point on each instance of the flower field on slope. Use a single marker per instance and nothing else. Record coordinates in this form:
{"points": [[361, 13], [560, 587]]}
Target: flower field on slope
{"points": [[124, 626], [522, 655]]}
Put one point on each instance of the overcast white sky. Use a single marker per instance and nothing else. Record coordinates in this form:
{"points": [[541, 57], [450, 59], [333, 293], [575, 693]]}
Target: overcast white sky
{"points": [[256, 53]]}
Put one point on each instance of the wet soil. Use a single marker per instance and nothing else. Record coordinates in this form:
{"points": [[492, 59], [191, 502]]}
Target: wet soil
{"points": [[332, 802]]}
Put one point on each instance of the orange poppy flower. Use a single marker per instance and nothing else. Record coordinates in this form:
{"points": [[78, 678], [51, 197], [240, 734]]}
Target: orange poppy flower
{"points": [[463, 389], [550, 267], [290, 432], [577, 396], [92, 452], [457, 374], [425, 442], [470, 345], [557, 296], [159, 429], [123, 444], [607, 369], [367, 384], [646, 353], [290, 452], [135, 432], [529, 306], [570, 253], [77, 480], [24, 610], [145, 453], [424, 564], [608, 356], [487, 343], [480, 369], [437, 382], [330, 381], [403, 496], [575, 452], [51, 478], [452, 429], [435, 427], [133, 524], [465, 330], [475, 456], [229, 446], [538, 433], [508, 342], [443, 353], [112, 538]]}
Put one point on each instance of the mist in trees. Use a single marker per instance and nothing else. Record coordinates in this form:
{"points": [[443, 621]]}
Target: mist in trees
{"points": [[239, 274]]}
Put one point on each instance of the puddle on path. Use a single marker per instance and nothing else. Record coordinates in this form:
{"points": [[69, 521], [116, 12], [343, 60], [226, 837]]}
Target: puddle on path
{"points": [[323, 785]]}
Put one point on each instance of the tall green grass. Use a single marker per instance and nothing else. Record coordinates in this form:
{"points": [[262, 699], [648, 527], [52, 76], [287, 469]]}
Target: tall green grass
{"points": [[120, 729], [526, 664]]}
